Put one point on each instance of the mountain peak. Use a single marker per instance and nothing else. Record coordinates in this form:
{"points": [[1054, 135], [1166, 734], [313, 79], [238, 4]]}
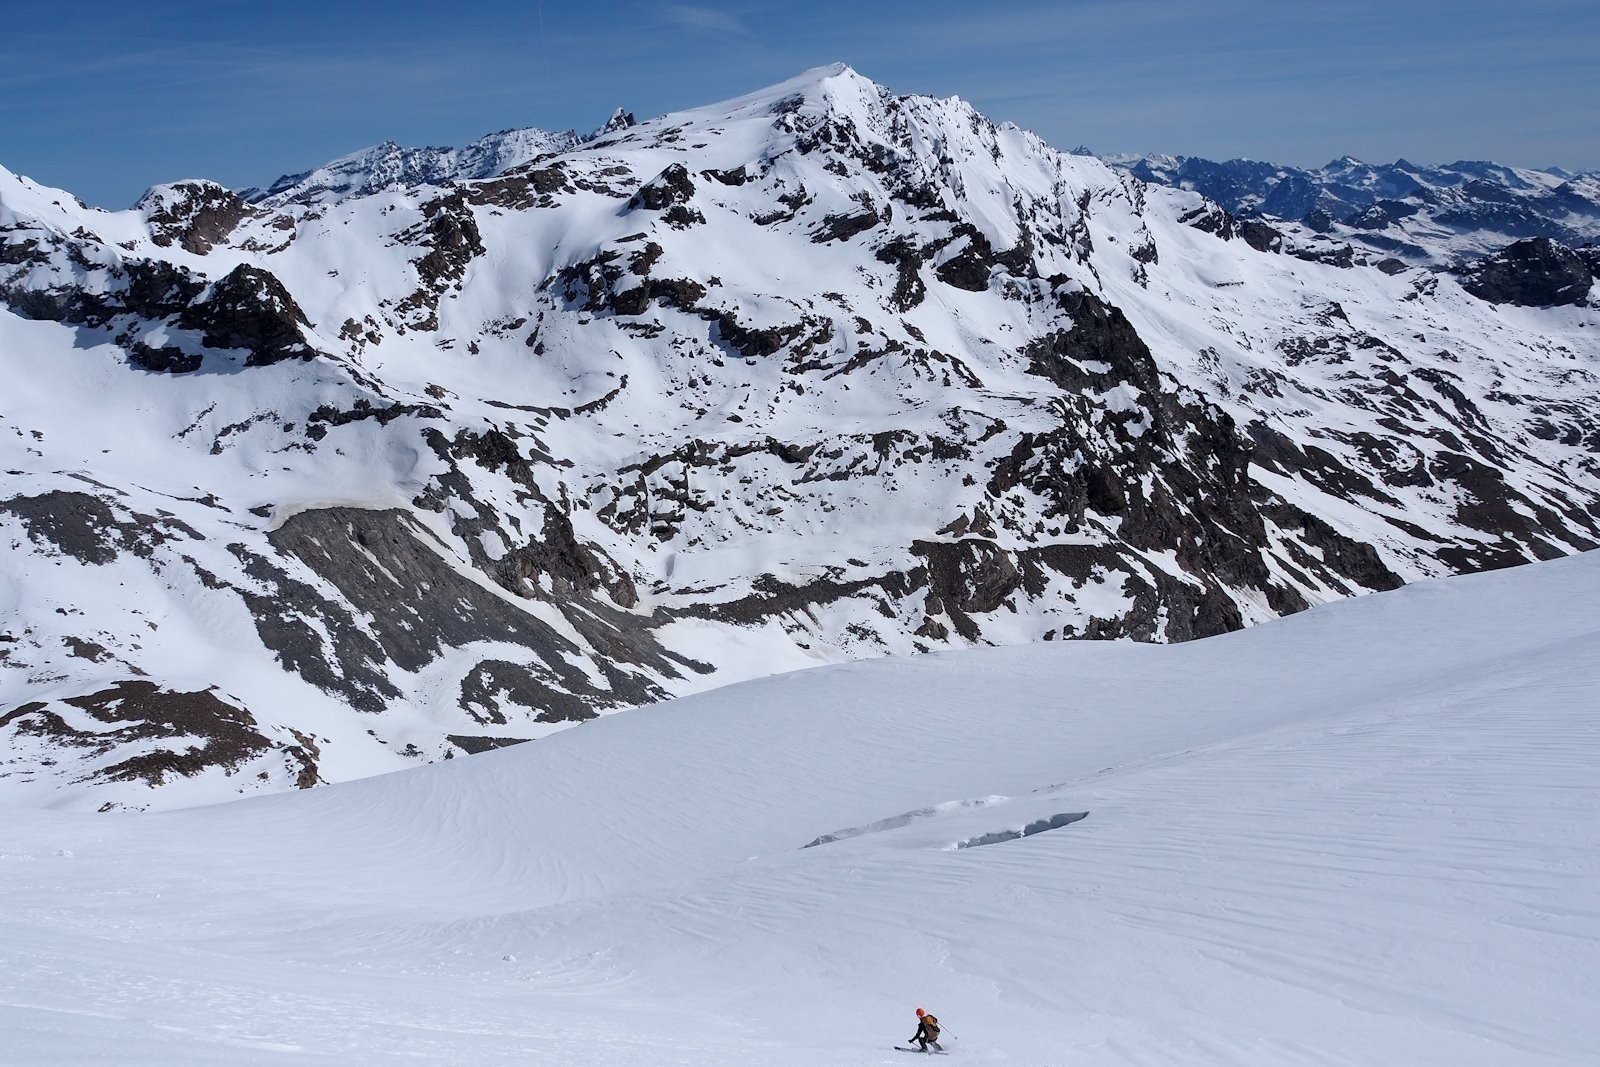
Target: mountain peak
{"points": [[157, 196], [842, 73], [621, 119], [832, 86], [831, 89]]}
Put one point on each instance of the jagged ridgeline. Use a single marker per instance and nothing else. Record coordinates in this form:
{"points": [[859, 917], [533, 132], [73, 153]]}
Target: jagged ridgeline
{"points": [[419, 454], [1399, 214]]}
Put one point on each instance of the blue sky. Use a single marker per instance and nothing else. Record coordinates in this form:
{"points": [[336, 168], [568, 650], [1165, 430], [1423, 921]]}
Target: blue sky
{"points": [[105, 98]]}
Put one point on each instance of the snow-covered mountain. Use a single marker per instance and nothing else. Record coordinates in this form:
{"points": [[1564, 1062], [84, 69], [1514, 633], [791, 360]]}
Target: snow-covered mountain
{"points": [[305, 487], [1368, 834], [1435, 215], [389, 165]]}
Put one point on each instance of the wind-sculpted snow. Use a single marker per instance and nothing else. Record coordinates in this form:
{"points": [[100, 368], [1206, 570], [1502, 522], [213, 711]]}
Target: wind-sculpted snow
{"points": [[895, 822], [1366, 834], [951, 808], [422, 455], [1037, 826]]}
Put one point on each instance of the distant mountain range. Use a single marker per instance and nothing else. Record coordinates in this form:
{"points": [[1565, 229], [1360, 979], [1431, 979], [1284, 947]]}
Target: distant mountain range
{"points": [[1443, 215], [390, 166], [429, 451]]}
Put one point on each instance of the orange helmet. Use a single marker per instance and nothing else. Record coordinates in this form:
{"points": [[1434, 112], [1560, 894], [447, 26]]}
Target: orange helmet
{"points": [[920, 1013]]}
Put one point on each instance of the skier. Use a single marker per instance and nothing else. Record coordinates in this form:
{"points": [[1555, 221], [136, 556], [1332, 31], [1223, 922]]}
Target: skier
{"points": [[927, 1032]]}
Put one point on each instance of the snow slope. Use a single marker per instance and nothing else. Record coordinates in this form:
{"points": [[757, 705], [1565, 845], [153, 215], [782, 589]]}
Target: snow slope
{"points": [[1364, 834]]}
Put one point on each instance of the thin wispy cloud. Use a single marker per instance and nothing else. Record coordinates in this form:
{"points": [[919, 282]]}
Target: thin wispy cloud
{"points": [[705, 19]]}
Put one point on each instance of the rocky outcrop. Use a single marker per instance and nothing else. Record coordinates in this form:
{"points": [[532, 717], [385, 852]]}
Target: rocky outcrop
{"points": [[174, 735], [250, 309], [401, 606], [194, 215], [85, 527], [1533, 273], [449, 232], [672, 193], [621, 119]]}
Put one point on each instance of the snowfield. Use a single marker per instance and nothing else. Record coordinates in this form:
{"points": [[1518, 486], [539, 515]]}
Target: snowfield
{"points": [[1366, 834]]}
